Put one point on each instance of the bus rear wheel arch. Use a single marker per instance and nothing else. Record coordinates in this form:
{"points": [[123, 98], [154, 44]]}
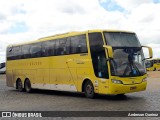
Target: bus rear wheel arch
{"points": [[19, 85], [88, 89], [27, 86]]}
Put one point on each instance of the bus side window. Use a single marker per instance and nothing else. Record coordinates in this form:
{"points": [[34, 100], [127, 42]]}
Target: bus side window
{"points": [[35, 50], [78, 44], [48, 48], [9, 53], [82, 44], [51, 47], [57, 48], [74, 44], [17, 52], [44, 49], [68, 46], [62, 46], [25, 51]]}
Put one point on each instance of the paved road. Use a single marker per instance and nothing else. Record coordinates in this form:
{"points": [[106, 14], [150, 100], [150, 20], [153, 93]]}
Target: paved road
{"points": [[11, 99]]}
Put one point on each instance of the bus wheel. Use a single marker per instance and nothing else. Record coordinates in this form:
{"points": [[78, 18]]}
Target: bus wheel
{"points": [[89, 90], [120, 95], [19, 85], [27, 86]]}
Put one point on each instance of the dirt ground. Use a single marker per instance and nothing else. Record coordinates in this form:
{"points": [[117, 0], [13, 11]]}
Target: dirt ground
{"points": [[153, 74], [2, 77], [42, 100]]}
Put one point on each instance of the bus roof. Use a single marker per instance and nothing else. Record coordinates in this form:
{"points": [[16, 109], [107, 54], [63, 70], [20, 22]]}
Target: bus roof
{"points": [[80, 32], [67, 34]]}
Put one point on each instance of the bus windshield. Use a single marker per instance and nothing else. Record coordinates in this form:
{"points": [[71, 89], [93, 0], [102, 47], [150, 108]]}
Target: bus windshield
{"points": [[128, 58], [149, 63], [120, 39]]}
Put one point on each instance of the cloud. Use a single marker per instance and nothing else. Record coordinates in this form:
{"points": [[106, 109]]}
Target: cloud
{"points": [[156, 50], [145, 21], [132, 4], [22, 20]]}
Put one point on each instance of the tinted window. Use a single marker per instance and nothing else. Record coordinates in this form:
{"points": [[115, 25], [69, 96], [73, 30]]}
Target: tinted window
{"points": [[149, 63], [68, 45], [48, 48], [51, 48], [17, 52], [57, 48], [25, 51], [82, 44], [78, 44], [98, 55], [155, 61], [2, 65], [35, 50], [62, 46], [9, 53], [120, 39]]}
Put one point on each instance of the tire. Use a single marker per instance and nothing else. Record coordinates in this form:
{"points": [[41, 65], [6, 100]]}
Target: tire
{"points": [[120, 95], [27, 86], [154, 69], [20, 86], [89, 90]]}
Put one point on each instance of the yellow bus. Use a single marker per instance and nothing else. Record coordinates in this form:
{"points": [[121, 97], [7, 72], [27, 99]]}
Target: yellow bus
{"points": [[93, 61], [153, 64]]}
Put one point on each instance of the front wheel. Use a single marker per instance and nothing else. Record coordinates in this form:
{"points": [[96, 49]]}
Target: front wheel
{"points": [[120, 95], [27, 86], [89, 90], [20, 86]]}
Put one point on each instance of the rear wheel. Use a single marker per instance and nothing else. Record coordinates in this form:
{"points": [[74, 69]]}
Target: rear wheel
{"points": [[27, 86], [120, 95], [89, 90], [19, 85]]}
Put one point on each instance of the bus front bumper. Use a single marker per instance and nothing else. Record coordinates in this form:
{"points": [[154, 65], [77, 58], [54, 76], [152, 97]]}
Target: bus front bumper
{"points": [[122, 89]]}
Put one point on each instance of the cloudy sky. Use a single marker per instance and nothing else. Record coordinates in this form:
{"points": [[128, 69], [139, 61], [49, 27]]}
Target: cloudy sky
{"points": [[25, 20]]}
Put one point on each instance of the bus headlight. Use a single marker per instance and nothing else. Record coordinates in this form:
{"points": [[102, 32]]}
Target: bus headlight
{"points": [[144, 79], [117, 81]]}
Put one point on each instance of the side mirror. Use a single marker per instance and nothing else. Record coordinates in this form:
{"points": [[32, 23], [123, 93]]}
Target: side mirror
{"points": [[150, 51], [110, 51]]}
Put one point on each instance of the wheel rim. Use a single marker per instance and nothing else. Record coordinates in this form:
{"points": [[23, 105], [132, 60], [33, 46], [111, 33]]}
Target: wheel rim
{"points": [[27, 86], [19, 85], [89, 89]]}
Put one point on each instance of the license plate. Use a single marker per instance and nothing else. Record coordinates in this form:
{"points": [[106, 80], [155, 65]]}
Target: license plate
{"points": [[133, 88]]}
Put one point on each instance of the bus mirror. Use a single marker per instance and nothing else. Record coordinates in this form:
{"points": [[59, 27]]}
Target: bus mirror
{"points": [[150, 51], [110, 51]]}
